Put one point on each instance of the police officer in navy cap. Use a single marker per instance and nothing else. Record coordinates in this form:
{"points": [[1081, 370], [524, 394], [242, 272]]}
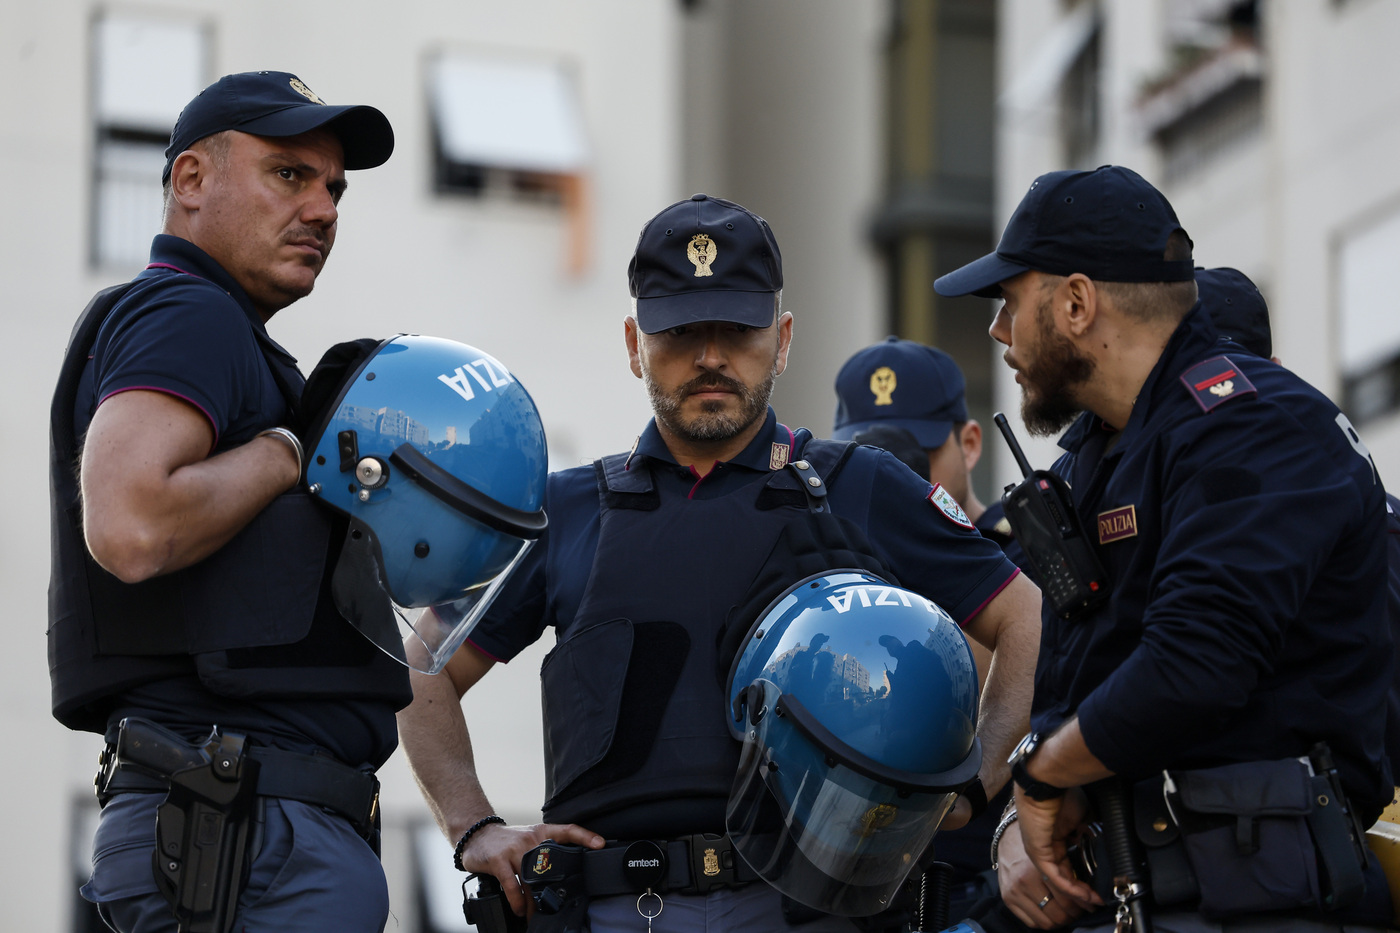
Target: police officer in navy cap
{"points": [[1232, 670], [655, 564], [190, 582], [909, 399], [1239, 312]]}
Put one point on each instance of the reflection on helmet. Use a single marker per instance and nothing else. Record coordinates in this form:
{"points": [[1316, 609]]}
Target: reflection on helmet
{"points": [[437, 455], [856, 702]]}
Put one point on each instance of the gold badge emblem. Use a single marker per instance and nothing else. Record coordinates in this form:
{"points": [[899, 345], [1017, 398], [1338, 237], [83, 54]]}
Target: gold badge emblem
{"points": [[305, 91], [882, 383], [701, 253], [542, 862], [1223, 389], [778, 456], [711, 863], [876, 819]]}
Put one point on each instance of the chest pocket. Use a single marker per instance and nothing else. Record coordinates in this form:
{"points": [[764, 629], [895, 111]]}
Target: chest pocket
{"points": [[605, 690]]}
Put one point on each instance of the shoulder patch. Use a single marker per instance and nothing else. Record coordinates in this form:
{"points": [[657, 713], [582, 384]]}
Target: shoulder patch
{"points": [[1216, 380], [941, 500]]}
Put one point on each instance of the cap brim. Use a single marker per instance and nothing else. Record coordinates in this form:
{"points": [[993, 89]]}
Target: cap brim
{"points": [[930, 434], [755, 309], [364, 132], [980, 277]]}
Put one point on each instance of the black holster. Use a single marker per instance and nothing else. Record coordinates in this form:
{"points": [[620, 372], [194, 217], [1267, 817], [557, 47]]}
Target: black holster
{"points": [[487, 909], [204, 824]]}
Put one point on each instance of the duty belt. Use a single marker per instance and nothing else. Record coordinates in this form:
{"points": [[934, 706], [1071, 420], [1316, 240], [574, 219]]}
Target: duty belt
{"points": [[693, 864], [311, 779]]}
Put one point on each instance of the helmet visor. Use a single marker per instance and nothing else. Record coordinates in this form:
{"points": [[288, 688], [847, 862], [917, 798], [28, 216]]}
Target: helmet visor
{"points": [[423, 638], [820, 832]]}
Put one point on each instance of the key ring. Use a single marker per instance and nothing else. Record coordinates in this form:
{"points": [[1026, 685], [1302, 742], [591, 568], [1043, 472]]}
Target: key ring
{"points": [[660, 906]]}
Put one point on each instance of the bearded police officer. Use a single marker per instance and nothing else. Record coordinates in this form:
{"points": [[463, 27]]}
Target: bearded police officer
{"points": [[1231, 678], [646, 572], [189, 582]]}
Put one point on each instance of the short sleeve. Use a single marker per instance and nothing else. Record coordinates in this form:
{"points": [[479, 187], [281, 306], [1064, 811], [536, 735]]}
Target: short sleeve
{"points": [[928, 544], [548, 585], [188, 339]]}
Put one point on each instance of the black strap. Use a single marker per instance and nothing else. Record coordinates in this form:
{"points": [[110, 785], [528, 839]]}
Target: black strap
{"points": [[310, 779]]}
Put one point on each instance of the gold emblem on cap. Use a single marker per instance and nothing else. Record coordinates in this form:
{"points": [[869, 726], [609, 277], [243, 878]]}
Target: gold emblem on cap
{"points": [[305, 91], [882, 383], [1223, 389], [701, 253]]}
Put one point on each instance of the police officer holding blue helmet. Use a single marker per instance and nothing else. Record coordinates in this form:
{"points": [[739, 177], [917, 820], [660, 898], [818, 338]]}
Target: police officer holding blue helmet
{"points": [[1229, 684], [655, 566], [200, 604]]}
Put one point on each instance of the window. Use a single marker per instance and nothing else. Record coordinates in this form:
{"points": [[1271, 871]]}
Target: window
{"points": [[505, 126], [1209, 98], [144, 71], [1080, 106], [1369, 329]]}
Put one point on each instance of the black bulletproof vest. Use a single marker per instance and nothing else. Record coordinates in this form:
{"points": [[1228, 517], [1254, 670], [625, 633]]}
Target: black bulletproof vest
{"points": [[253, 620], [636, 744]]}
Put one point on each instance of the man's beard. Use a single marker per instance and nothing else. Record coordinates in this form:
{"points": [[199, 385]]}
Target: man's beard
{"points": [[713, 423], [1057, 368]]}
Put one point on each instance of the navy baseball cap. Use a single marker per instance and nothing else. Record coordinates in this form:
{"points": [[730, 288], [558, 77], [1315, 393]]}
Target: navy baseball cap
{"points": [[1109, 224], [901, 384], [1238, 309], [705, 259], [275, 103]]}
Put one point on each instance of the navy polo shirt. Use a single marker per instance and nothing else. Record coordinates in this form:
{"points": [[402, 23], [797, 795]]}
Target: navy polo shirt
{"points": [[927, 550], [189, 330], [1242, 526]]}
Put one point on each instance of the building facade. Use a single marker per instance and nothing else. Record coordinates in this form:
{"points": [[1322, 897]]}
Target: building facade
{"points": [[1271, 125]]}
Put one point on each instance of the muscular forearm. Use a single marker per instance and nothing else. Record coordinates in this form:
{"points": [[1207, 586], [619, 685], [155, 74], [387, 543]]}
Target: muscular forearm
{"points": [[1006, 699], [434, 736], [1064, 759], [153, 502]]}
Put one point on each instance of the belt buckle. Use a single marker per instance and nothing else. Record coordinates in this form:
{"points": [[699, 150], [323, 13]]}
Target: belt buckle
{"points": [[711, 861]]}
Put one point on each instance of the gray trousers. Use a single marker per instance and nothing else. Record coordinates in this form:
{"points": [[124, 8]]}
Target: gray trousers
{"points": [[755, 908], [313, 872]]}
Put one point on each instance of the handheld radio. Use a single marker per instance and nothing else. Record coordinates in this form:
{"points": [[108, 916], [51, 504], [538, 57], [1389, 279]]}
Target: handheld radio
{"points": [[1042, 516]]}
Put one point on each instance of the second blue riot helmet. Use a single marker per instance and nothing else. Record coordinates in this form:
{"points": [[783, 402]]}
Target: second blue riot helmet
{"points": [[856, 702], [437, 456]]}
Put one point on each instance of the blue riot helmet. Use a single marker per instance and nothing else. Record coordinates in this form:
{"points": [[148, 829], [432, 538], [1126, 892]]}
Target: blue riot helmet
{"points": [[856, 703], [437, 456]]}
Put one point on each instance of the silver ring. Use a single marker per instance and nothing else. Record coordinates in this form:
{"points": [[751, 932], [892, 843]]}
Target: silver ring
{"points": [[1045, 900]]}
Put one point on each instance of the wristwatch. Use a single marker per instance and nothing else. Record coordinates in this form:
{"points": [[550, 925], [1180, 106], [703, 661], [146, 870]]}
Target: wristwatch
{"points": [[1036, 790]]}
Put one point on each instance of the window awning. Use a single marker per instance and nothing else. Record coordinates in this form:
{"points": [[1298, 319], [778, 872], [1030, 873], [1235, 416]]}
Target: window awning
{"points": [[507, 113], [146, 70]]}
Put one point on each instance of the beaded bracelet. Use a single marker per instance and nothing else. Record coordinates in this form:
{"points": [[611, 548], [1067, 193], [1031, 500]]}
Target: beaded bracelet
{"points": [[466, 837]]}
